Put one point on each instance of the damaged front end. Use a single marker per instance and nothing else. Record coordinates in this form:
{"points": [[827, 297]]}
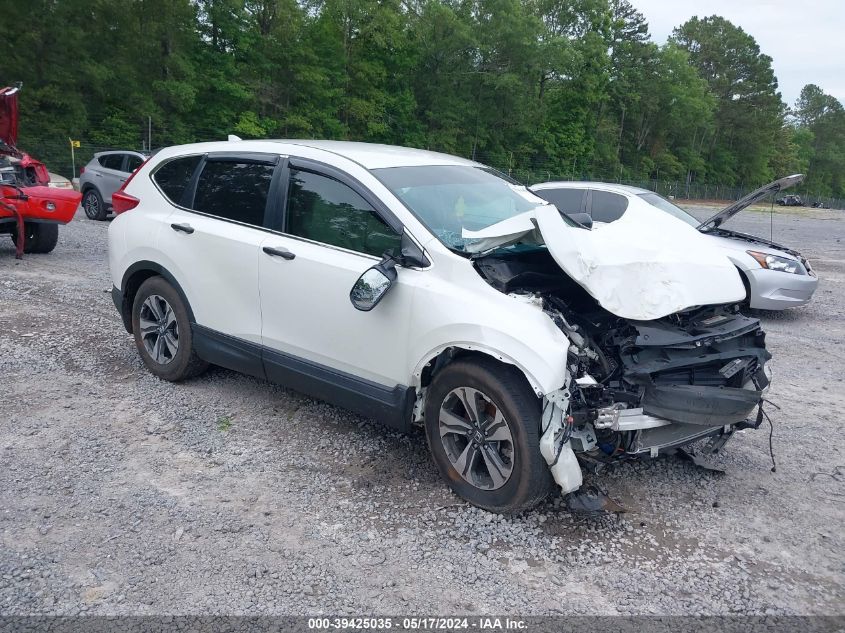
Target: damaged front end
{"points": [[636, 388]]}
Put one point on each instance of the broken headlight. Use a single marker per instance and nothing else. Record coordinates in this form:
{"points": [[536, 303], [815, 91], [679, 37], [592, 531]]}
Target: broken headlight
{"points": [[775, 262]]}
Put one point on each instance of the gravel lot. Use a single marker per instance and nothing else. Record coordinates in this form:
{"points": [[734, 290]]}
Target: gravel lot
{"points": [[122, 494]]}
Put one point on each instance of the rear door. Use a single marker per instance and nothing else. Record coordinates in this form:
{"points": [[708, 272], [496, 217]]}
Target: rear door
{"points": [[213, 238], [110, 176]]}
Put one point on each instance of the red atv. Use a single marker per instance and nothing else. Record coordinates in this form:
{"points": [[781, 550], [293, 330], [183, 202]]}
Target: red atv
{"points": [[29, 210]]}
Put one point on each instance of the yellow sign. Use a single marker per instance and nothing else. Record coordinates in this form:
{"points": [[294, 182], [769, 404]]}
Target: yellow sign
{"points": [[74, 144]]}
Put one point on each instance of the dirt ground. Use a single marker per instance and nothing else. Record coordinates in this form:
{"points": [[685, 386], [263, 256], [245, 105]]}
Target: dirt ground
{"points": [[122, 494]]}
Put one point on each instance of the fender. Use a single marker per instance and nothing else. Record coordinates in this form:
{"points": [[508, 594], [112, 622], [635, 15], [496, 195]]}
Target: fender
{"points": [[545, 370], [127, 291]]}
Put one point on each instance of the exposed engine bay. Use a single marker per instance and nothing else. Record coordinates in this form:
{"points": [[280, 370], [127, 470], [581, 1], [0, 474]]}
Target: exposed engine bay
{"points": [[19, 172], [637, 388]]}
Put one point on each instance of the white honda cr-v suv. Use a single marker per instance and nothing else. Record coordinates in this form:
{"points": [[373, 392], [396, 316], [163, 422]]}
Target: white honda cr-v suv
{"points": [[416, 287]]}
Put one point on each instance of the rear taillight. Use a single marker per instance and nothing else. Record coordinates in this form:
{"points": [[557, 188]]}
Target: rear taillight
{"points": [[122, 201], [81, 170]]}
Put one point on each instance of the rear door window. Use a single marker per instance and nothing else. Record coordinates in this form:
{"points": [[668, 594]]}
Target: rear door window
{"points": [[174, 177], [234, 190], [111, 161], [325, 210], [607, 206], [567, 200]]}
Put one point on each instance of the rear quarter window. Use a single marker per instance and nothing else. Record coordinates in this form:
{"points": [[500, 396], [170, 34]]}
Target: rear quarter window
{"points": [[132, 163], [174, 176]]}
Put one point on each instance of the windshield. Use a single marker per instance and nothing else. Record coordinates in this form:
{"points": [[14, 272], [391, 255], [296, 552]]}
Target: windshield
{"points": [[450, 198], [663, 204]]}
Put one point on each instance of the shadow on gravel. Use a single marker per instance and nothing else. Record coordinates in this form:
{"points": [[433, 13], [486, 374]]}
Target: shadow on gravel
{"points": [[792, 314]]}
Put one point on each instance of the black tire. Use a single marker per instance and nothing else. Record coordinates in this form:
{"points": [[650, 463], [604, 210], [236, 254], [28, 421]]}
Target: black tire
{"points": [[93, 205], [38, 237], [530, 480], [182, 364]]}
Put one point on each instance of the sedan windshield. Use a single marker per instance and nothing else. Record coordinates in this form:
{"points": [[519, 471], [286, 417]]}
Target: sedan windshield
{"points": [[450, 198], [663, 204]]}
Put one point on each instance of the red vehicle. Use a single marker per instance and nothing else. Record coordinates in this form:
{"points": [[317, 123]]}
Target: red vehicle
{"points": [[29, 210]]}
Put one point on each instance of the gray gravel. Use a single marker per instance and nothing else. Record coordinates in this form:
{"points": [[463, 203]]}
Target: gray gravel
{"points": [[123, 494]]}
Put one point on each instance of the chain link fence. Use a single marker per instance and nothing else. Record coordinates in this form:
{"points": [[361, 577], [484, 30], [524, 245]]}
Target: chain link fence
{"points": [[57, 156], [672, 189]]}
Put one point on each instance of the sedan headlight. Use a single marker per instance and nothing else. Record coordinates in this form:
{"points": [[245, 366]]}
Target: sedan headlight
{"points": [[775, 262]]}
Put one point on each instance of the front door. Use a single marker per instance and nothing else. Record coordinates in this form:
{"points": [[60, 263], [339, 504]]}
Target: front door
{"points": [[331, 236]]}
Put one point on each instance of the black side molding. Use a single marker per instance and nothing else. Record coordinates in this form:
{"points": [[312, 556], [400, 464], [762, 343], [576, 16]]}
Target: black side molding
{"points": [[389, 406], [117, 298], [227, 351]]}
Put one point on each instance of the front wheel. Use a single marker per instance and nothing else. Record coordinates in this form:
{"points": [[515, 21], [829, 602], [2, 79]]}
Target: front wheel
{"points": [[162, 332], [38, 237], [482, 422]]}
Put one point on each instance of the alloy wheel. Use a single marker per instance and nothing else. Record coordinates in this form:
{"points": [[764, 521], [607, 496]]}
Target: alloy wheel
{"points": [[159, 329], [476, 438], [91, 205]]}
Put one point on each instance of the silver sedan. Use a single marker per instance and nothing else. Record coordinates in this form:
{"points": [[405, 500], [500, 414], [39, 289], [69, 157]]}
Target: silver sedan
{"points": [[776, 276]]}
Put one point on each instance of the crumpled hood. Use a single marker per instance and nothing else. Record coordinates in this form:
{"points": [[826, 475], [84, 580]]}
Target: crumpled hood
{"points": [[641, 267]]}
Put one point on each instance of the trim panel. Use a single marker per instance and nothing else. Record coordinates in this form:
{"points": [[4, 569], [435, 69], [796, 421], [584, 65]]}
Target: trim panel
{"points": [[227, 351], [391, 407]]}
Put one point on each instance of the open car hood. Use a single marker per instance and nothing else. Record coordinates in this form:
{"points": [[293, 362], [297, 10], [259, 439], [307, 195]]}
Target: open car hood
{"points": [[9, 116], [628, 267], [728, 212]]}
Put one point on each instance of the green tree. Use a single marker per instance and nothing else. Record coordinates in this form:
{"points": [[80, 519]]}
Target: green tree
{"points": [[749, 112], [820, 133]]}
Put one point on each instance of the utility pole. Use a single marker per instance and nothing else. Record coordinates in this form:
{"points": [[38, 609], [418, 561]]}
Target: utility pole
{"points": [[150, 133]]}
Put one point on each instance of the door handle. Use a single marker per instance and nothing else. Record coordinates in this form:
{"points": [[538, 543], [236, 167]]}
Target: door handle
{"points": [[278, 252], [183, 228]]}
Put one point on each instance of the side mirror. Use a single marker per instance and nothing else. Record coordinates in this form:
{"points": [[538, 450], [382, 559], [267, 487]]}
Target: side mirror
{"points": [[411, 255], [584, 219], [373, 285]]}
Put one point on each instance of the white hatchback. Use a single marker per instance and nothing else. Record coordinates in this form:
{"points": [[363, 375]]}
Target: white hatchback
{"points": [[416, 287]]}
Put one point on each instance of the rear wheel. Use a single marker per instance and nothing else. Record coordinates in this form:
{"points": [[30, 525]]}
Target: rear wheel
{"points": [[482, 422], [162, 332], [93, 205], [38, 237]]}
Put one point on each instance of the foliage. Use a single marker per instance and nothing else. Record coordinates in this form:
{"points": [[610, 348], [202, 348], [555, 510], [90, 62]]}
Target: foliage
{"points": [[571, 88], [819, 137]]}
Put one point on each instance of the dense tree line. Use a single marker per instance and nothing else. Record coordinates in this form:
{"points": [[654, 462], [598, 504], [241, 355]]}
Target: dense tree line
{"points": [[568, 88]]}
